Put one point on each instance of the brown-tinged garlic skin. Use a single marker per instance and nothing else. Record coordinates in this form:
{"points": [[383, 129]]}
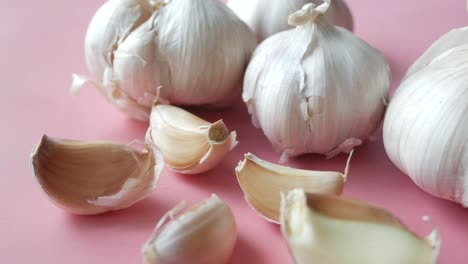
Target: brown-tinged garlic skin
{"points": [[92, 177], [204, 234], [328, 229], [266, 23], [263, 182], [189, 144]]}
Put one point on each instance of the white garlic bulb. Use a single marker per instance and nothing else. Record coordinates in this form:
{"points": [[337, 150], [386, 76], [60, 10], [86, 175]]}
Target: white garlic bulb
{"points": [[317, 88], [267, 17], [426, 126], [197, 50]]}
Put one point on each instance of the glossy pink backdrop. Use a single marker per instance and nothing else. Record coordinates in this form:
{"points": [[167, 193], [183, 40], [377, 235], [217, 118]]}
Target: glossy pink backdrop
{"points": [[42, 45]]}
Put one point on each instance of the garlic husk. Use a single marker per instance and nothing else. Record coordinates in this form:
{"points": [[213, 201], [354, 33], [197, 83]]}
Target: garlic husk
{"points": [[454, 38], [265, 24], [317, 88], [111, 24], [328, 230], [263, 182], [425, 128], [204, 234], [188, 143], [92, 177], [197, 50]]}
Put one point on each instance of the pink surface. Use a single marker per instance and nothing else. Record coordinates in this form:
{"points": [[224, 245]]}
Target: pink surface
{"points": [[42, 45]]}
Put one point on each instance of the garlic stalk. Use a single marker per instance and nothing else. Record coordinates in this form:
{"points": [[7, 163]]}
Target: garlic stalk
{"points": [[328, 230], [188, 143], [317, 88], [87, 177], [425, 128], [263, 182], [204, 234], [196, 49], [265, 24]]}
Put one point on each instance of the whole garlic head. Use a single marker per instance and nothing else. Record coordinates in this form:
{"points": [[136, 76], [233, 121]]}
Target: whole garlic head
{"points": [[425, 128], [316, 88], [196, 49], [265, 24]]}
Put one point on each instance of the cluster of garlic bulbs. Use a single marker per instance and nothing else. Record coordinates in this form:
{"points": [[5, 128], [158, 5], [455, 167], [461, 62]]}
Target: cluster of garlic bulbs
{"points": [[197, 50], [316, 88], [425, 128], [265, 24]]}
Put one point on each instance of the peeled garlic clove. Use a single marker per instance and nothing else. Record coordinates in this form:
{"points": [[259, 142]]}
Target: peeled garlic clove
{"points": [[452, 39], [328, 229], [317, 88], [265, 24], [426, 124], [263, 182], [204, 234], [87, 177], [111, 24], [188, 143]]}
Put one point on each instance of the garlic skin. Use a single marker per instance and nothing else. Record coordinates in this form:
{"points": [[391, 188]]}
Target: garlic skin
{"points": [[92, 177], [265, 24], [425, 128], [328, 229], [188, 143], [263, 182], [204, 234], [317, 88], [197, 50]]}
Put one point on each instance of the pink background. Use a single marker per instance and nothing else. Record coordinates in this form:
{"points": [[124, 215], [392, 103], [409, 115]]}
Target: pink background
{"points": [[42, 45]]}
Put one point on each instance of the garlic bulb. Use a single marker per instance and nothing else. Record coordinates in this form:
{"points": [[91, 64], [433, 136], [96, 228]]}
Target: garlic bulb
{"points": [[425, 128], [328, 229], [204, 234], [267, 17], [86, 177], [188, 143], [196, 49], [316, 88], [263, 182]]}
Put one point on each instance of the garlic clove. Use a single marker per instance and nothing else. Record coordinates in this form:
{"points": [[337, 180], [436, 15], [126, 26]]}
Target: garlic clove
{"points": [[262, 183], [204, 234], [92, 177], [111, 24], [454, 38], [328, 229], [188, 143]]}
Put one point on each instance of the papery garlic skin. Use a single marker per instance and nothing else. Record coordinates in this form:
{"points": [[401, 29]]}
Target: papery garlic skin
{"points": [[188, 143], [425, 128], [92, 177], [316, 88], [268, 17], [204, 234], [330, 230], [197, 50], [111, 24]]}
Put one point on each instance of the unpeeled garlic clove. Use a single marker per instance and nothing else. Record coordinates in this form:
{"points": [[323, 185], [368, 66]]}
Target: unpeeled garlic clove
{"points": [[262, 183], [92, 177], [328, 229], [204, 234], [188, 143]]}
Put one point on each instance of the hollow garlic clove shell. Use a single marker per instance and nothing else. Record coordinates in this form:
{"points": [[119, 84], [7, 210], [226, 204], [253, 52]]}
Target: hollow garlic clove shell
{"points": [[328, 230], [265, 24], [188, 143], [317, 88], [263, 182], [92, 177], [111, 24], [425, 128], [204, 234], [454, 38]]}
